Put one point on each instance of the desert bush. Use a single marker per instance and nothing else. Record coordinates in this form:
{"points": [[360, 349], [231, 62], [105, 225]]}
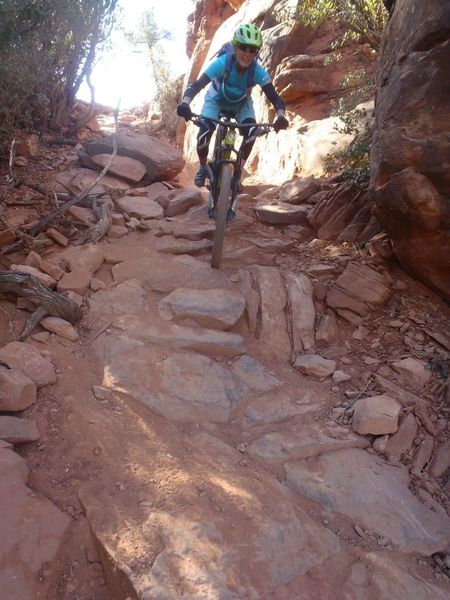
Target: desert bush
{"points": [[168, 88], [362, 21], [360, 24], [47, 48]]}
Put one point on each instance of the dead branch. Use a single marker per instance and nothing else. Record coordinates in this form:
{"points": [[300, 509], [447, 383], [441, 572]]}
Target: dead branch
{"points": [[59, 141], [12, 154], [44, 222], [49, 302], [96, 232]]}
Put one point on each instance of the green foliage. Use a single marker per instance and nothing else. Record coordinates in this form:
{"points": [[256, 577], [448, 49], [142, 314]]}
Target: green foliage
{"points": [[353, 161], [362, 20], [47, 48]]}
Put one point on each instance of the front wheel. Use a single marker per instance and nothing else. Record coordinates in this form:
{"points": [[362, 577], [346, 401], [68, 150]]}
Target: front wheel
{"points": [[222, 204]]}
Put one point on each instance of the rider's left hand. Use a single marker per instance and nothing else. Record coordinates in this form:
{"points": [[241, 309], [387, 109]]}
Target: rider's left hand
{"points": [[280, 123]]}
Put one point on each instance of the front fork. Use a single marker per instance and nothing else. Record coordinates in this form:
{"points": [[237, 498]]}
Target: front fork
{"points": [[213, 185]]}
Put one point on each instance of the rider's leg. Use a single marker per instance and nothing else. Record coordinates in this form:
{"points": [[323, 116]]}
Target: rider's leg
{"points": [[205, 132]]}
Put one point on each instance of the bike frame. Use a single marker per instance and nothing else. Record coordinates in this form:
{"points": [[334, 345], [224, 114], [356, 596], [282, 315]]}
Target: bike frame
{"points": [[223, 186]]}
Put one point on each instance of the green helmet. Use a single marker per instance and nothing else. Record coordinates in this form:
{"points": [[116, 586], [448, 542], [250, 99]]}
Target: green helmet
{"points": [[247, 34]]}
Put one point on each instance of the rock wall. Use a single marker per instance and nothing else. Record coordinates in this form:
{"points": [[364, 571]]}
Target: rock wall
{"points": [[410, 174], [304, 68]]}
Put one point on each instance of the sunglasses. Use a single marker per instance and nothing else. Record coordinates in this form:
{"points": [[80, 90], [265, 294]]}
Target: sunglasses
{"points": [[247, 48]]}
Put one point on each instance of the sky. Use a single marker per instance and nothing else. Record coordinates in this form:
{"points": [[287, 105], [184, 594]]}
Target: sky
{"points": [[123, 72]]}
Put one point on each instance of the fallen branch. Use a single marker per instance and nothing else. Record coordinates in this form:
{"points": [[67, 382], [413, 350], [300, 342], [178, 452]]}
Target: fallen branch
{"points": [[96, 232], [49, 302], [44, 222]]}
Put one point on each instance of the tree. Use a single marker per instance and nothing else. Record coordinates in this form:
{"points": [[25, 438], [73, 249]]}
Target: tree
{"points": [[47, 47], [168, 89]]}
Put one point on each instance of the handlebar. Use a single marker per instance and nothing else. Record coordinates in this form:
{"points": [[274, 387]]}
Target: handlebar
{"points": [[261, 128]]}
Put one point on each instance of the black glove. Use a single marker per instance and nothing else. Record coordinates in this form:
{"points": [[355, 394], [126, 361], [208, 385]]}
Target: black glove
{"points": [[184, 110], [280, 123]]}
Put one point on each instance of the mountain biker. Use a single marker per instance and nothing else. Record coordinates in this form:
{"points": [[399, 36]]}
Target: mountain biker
{"points": [[229, 91]]}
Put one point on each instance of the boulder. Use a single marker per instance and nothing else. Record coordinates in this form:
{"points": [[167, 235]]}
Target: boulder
{"points": [[17, 391], [376, 415], [77, 281], [358, 289], [18, 431], [122, 166], [18, 355], [214, 308], [182, 202], [60, 327], [32, 531], [409, 177], [282, 214], [315, 365], [162, 161], [140, 207], [299, 190]]}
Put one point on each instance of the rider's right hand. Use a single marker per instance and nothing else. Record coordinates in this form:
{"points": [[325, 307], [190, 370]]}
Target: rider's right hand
{"points": [[184, 110]]}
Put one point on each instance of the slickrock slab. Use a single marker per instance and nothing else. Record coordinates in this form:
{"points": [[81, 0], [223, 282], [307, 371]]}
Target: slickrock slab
{"points": [[229, 520], [182, 202], [300, 294], [186, 387], [17, 391], [18, 355], [18, 431], [128, 296], [358, 289], [206, 341], [272, 330], [374, 495], [215, 308], [308, 441], [282, 214], [315, 365], [140, 207], [254, 374], [192, 231], [377, 415], [32, 530], [77, 281], [272, 245], [172, 246], [281, 405], [389, 580], [166, 275], [88, 257], [61, 328]]}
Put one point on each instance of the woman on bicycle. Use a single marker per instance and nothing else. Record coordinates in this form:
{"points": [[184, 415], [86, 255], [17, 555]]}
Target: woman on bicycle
{"points": [[232, 76]]}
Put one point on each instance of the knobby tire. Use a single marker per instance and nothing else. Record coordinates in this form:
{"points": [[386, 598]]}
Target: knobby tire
{"points": [[222, 204]]}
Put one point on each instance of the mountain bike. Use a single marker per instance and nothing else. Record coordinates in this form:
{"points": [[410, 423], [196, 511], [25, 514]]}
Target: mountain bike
{"points": [[224, 173]]}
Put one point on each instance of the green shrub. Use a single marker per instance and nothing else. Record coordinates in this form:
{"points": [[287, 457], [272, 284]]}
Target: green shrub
{"points": [[352, 161], [47, 48]]}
